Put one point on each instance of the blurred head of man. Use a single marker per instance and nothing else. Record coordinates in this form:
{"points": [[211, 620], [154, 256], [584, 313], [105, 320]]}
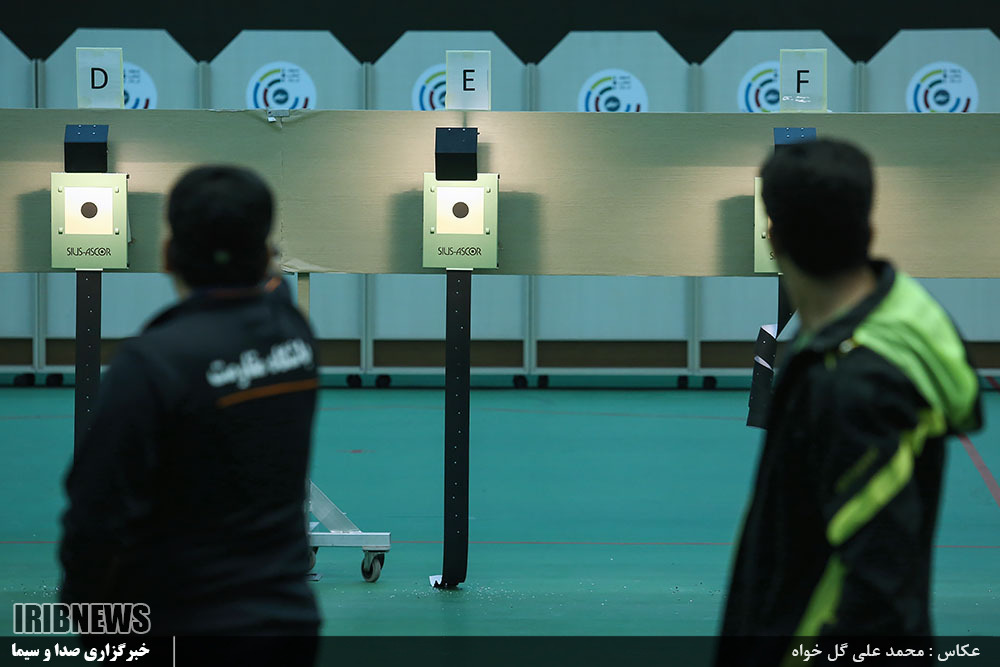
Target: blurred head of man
{"points": [[818, 197], [219, 219]]}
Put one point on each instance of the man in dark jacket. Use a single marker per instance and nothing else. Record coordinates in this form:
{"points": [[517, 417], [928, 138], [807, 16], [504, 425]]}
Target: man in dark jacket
{"points": [[187, 493], [838, 537]]}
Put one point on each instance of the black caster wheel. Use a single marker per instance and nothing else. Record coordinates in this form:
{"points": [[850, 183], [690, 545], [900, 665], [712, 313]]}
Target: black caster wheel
{"points": [[543, 381], [371, 566], [682, 382], [710, 382], [520, 382], [383, 381], [353, 381], [312, 558], [54, 380], [24, 380]]}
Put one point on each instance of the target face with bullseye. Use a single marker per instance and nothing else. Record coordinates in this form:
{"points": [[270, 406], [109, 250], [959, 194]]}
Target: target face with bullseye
{"points": [[759, 88], [942, 87], [428, 89], [88, 211], [612, 90], [140, 90], [460, 210], [281, 85]]}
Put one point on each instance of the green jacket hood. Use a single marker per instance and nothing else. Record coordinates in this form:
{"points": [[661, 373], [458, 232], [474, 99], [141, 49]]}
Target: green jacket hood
{"points": [[911, 330]]}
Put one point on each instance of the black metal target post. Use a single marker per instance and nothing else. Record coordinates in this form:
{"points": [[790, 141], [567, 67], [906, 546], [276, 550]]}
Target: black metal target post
{"points": [[88, 350], [765, 355], [456, 159], [86, 151], [456, 428]]}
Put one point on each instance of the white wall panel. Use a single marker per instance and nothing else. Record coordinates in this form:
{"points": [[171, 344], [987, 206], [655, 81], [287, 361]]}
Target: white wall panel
{"points": [[602, 308], [159, 73], [17, 305], [635, 72], [335, 306]]}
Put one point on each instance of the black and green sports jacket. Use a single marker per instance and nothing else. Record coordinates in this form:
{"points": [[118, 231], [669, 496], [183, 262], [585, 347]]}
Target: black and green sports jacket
{"points": [[838, 536]]}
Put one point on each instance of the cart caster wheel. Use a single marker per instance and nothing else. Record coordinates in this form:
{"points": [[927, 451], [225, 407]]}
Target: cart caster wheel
{"points": [[54, 380], [353, 381], [520, 382], [710, 382], [543, 381], [682, 382], [371, 566], [312, 558], [383, 381], [24, 380]]}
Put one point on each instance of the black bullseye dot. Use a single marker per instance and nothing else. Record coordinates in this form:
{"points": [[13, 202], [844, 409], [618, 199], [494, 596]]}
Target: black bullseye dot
{"points": [[88, 210], [461, 209]]}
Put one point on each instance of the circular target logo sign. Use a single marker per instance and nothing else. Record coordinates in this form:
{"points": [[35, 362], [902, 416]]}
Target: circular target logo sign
{"points": [[140, 90], [281, 85], [942, 87], [428, 89], [759, 88], [612, 90]]}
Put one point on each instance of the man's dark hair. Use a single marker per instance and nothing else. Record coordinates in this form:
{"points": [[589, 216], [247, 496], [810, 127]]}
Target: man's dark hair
{"points": [[818, 195], [220, 218]]}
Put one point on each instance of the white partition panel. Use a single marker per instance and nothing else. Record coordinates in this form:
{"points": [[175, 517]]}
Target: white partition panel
{"points": [[499, 309], [944, 71], [935, 70], [972, 303], [626, 72], [742, 73], [159, 73], [61, 305], [17, 303], [408, 307], [574, 308], [285, 69], [335, 308], [130, 300], [17, 91], [410, 75], [412, 307], [733, 309], [17, 77], [613, 71]]}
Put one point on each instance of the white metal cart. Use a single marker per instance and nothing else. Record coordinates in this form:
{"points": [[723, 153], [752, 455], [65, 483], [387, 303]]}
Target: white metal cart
{"points": [[332, 528]]}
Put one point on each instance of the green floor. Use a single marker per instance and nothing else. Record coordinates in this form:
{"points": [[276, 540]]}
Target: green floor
{"points": [[599, 512]]}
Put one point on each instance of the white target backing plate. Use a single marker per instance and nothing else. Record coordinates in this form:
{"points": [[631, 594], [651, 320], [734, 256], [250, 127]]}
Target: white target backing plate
{"points": [[89, 221], [460, 223]]}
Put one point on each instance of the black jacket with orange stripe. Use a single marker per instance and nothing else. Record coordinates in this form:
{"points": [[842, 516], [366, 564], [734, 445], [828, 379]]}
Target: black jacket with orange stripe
{"points": [[837, 540], [188, 491]]}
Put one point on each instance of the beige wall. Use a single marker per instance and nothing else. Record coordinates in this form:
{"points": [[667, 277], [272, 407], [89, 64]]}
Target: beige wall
{"points": [[604, 194]]}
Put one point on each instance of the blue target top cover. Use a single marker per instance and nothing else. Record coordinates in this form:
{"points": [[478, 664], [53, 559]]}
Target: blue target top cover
{"points": [[455, 153], [86, 134], [793, 135], [85, 149]]}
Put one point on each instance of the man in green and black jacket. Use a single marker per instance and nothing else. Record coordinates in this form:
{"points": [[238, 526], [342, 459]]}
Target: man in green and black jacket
{"points": [[838, 536]]}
